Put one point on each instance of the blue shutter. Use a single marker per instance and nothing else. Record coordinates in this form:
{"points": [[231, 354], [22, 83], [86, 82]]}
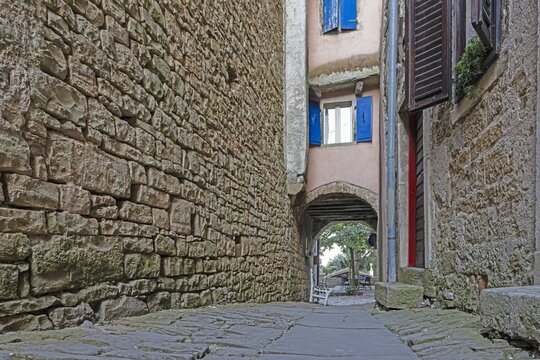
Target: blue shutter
{"points": [[330, 15], [314, 123], [364, 119], [348, 14]]}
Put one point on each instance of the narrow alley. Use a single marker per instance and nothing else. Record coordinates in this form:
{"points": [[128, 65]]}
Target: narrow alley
{"points": [[270, 179]]}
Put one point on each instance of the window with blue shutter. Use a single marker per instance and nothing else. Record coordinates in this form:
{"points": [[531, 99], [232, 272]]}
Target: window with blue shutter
{"points": [[330, 15], [364, 119], [348, 15], [314, 123], [339, 15]]}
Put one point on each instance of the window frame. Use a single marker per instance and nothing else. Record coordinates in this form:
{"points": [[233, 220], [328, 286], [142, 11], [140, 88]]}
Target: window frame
{"points": [[331, 103], [462, 21], [338, 29]]}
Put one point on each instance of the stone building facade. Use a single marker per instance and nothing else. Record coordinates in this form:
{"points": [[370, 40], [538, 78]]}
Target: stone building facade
{"points": [[480, 173], [141, 159]]}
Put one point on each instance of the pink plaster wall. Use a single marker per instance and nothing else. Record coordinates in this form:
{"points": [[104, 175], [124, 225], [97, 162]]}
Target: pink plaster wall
{"points": [[357, 164], [329, 48]]}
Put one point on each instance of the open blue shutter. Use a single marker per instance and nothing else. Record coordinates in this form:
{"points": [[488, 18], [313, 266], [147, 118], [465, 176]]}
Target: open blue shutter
{"points": [[314, 123], [364, 119], [348, 14], [330, 15]]}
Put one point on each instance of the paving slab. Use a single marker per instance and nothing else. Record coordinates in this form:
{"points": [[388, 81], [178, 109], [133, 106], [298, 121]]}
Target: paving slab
{"points": [[285, 331]]}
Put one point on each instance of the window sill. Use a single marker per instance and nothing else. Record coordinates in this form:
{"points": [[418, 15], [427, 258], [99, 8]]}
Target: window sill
{"points": [[326, 146], [464, 106]]}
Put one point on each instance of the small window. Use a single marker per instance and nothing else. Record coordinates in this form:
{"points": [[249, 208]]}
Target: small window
{"points": [[338, 15], [477, 22], [338, 123]]}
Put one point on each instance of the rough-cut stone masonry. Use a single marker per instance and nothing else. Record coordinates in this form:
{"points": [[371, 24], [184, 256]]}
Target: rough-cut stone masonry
{"points": [[141, 159], [483, 172], [480, 169]]}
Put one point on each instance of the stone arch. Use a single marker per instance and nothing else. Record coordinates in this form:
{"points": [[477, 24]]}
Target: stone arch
{"points": [[341, 187]]}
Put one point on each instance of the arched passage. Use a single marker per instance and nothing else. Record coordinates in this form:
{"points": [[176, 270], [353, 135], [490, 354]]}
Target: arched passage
{"points": [[333, 203]]}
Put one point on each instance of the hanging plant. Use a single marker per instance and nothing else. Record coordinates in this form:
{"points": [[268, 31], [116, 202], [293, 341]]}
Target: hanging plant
{"points": [[470, 68]]}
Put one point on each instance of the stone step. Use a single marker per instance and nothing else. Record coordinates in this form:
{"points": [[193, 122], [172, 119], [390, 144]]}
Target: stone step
{"points": [[420, 277], [398, 296], [513, 311]]}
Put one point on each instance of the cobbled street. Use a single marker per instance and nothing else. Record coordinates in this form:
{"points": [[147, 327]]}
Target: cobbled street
{"points": [[292, 331]]}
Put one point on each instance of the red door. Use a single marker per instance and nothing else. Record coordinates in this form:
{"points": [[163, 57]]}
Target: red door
{"points": [[416, 192]]}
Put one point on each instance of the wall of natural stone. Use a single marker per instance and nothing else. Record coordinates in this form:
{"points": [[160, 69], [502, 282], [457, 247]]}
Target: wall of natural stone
{"points": [[480, 171], [141, 159], [482, 161]]}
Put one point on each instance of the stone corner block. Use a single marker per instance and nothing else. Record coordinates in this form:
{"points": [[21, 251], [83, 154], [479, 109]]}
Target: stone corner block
{"points": [[513, 311], [419, 277], [398, 296]]}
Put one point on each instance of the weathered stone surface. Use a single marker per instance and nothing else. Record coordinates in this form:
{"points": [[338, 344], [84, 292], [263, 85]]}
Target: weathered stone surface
{"points": [[122, 307], [14, 151], [150, 196], [16, 307], [82, 77], [165, 245], [70, 316], [419, 277], [14, 247], [108, 111], [67, 262], [25, 323], [513, 311], [74, 199], [25, 191], [71, 224], [70, 161], [53, 61], [142, 265], [180, 217], [91, 295], [26, 221], [9, 281], [159, 301], [135, 212], [59, 99], [138, 287], [191, 300], [124, 228], [398, 295]]}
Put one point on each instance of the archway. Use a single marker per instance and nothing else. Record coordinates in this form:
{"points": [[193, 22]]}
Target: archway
{"points": [[330, 204]]}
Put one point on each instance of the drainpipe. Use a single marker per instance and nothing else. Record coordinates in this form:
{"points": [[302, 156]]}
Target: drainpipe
{"points": [[391, 110]]}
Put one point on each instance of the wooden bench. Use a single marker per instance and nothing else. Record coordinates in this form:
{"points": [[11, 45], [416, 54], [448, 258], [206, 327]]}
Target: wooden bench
{"points": [[318, 294]]}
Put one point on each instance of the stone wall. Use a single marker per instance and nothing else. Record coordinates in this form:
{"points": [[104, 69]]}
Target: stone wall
{"points": [[141, 159], [482, 171]]}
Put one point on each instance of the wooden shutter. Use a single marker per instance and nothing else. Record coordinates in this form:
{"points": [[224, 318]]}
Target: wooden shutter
{"points": [[348, 15], [330, 15], [364, 119], [314, 123], [486, 20], [428, 53]]}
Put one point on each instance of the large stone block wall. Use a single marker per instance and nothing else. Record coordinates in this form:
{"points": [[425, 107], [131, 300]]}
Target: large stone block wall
{"points": [[482, 172], [141, 159]]}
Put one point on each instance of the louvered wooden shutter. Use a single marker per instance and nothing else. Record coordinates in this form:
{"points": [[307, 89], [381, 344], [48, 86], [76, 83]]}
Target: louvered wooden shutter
{"points": [[330, 15], [485, 20], [314, 123], [428, 53], [348, 15], [364, 119]]}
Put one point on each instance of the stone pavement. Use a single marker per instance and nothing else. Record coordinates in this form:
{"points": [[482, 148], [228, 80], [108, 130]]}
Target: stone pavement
{"points": [[447, 334], [289, 331]]}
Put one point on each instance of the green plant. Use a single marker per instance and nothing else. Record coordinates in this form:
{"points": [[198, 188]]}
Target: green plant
{"points": [[470, 68]]}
